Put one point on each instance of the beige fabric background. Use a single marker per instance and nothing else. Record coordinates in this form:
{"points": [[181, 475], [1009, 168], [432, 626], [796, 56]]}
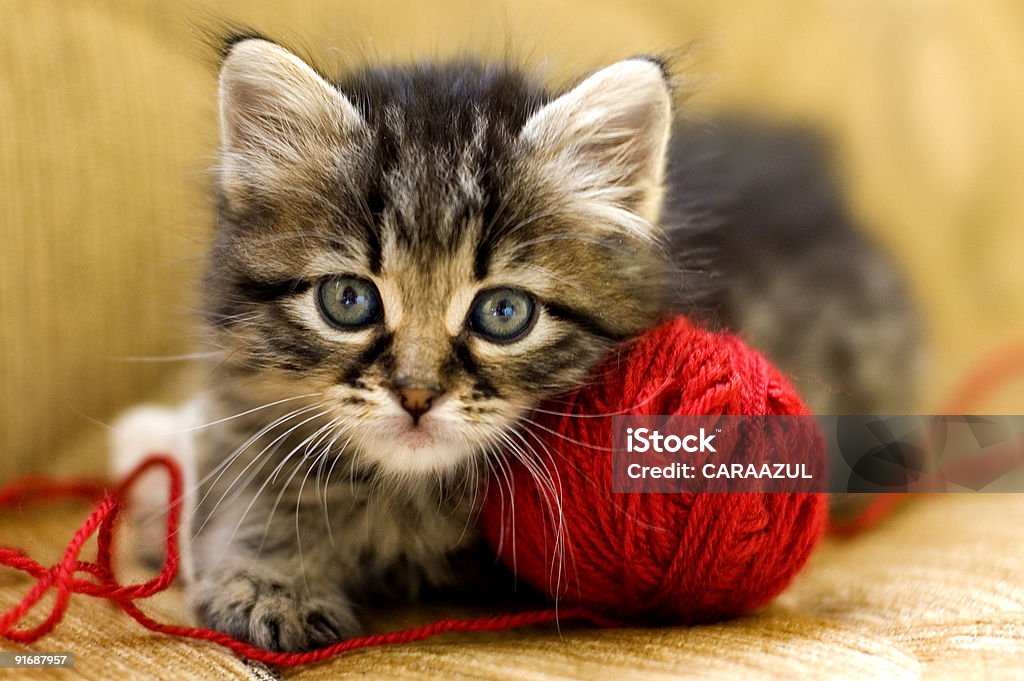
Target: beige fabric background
{"points": [[107, 128]]}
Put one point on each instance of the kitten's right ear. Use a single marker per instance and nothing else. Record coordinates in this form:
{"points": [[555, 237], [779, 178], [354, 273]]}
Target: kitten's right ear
{"points": [[275, 108], [607, 138]]}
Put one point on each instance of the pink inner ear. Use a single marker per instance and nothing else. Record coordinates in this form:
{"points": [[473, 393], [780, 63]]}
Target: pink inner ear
{"points": [[269, 97], [611, 131]]}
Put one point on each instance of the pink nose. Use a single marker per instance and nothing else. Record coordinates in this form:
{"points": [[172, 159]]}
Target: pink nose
{"points": [[416, 401]]}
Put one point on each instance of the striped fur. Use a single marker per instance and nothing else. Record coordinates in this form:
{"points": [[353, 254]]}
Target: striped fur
{"points": [[435, 182]]}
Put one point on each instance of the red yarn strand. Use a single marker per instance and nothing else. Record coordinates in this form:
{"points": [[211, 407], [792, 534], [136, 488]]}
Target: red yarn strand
{"points": [[994, 372], [877, 510], [65, 577]]}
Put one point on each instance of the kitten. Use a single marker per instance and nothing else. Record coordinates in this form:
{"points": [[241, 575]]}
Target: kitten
{"points": [[408, 260]]}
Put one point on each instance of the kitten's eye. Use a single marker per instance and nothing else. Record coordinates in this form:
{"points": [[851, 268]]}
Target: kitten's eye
{"points": [[502, 315], [349, 302]]}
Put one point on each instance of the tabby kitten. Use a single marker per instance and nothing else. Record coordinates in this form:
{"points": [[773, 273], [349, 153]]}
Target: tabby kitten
{"points": [[406, 261]]}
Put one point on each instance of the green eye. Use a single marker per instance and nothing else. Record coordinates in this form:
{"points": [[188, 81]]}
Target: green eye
{"points": [[502, 315], [349, 303]]}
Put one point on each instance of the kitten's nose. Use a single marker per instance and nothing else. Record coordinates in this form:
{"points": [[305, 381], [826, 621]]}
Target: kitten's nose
{"points": [[416, 400]]}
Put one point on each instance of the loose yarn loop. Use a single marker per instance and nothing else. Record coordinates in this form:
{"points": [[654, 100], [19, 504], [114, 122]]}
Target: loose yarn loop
{"points": [[73, 575], [679, 558]]}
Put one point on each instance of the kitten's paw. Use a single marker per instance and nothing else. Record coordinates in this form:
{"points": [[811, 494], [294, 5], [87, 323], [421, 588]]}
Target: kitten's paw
{"points": [[273, 613]]}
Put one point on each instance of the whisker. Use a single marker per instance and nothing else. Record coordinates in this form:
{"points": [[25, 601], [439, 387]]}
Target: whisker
{"points": [[625, 411], [267, 481], [258, 457], [248, 411], [187, 357], [245, 445], [560, 536], [561, 436], [220, 468]]}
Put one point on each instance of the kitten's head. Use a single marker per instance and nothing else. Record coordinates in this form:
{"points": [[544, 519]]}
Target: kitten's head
{"points": [[431, 250]]}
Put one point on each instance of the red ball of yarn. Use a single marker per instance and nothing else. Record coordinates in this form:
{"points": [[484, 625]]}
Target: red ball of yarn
{"points": [[671, 557]]}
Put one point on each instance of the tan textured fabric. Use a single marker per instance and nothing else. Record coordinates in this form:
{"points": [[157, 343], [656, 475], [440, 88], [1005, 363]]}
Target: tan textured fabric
{"points": [[935, 592], [107, 126], [102, 135]]}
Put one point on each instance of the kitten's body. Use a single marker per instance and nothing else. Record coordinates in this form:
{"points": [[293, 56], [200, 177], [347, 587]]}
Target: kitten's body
{"points": [[755, 208], [322, 486]]}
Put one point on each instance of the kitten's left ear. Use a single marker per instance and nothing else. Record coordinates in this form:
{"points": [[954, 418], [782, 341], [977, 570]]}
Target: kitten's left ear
{"points": [[280, 120], [609, 135]]}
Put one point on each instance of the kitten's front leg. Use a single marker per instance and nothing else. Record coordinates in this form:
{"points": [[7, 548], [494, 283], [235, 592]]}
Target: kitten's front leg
{"points": [[269, 578]]}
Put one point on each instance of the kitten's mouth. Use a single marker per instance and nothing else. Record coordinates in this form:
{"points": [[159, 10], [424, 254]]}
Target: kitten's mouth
{"points": [[431, 446], [417, 437], [441, 441]]}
